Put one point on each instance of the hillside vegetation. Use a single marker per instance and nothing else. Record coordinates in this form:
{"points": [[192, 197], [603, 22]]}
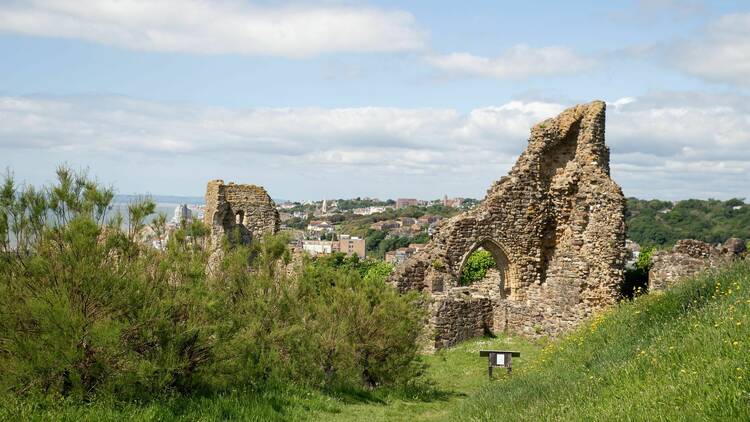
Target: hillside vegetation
{"points": [[658, 223]]}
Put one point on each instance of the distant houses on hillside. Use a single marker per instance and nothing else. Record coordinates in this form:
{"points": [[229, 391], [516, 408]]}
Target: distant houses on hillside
{"points": [[318, 228], [406, 225]]}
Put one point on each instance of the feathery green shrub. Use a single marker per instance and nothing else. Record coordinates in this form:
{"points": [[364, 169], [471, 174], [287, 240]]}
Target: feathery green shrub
{"points": [[87, 311]]}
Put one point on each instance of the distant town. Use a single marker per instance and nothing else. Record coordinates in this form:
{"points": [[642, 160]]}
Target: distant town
{"points": [[391, 230]]}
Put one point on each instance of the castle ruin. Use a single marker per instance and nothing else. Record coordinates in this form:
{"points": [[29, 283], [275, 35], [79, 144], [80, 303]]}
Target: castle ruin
{"points": [[239, 212], [555, 227]]}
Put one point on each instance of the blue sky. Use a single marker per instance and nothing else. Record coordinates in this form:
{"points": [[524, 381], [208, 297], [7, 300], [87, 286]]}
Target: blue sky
{"points": [[321, 99]]}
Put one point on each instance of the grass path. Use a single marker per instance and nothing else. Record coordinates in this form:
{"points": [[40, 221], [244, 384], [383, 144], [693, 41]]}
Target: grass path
{"points": [[458, 373]]}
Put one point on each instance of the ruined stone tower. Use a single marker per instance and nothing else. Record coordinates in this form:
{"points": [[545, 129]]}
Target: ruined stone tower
{"points": [[555, 226], [241, 212]]}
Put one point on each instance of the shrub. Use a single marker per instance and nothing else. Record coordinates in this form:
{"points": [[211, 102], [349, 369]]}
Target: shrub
{"points": [[636, 279], [476, 267], [84, 309], [326, 327], [88, 311]]}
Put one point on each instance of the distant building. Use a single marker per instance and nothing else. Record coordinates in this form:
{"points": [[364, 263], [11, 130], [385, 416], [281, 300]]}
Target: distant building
{"points": [[319, 227], [406, 202], [317, 247], [385, 225], [399, 255], [350, 245], [426, 220], [182, 213], [407, 221], [370, 210], [417, 246]]}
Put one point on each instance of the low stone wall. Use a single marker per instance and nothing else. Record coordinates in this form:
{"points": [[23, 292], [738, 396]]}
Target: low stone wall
{"points": [[687, 258], [457, 316]]}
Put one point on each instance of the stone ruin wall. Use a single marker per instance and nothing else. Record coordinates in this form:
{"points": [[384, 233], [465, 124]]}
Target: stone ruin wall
{"points": [[243, 210], [688, 258], [556, 228]]}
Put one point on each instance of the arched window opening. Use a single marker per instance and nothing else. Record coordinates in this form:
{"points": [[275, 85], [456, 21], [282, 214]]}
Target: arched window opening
{"points": [[477, 266], [487, 267], [239, 217]]}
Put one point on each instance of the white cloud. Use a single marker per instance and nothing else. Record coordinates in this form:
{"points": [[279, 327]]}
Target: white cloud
{"points": [[217, 27], [720, 54], [667, 145], [108, 124], [517, 62]]}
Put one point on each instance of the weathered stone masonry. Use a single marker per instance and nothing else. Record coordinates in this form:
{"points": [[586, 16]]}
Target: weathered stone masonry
{"points": [[246, 211], [555, 226], [689, 257]]}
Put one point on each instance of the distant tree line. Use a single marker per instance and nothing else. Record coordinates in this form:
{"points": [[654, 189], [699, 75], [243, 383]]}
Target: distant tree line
{"points": [[379, 242], [662, 223]]}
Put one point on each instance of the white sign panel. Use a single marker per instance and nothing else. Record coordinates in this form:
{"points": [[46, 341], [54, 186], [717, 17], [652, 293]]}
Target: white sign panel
{"points": [[500, 359]]}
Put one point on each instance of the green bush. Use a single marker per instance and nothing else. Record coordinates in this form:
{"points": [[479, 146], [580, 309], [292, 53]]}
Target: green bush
{"points": [[326, 327], [476, 267], [635, 281], [87, 311]]}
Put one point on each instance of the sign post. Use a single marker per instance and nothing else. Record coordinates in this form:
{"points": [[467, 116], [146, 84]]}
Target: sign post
{"points": [[498, 359]]}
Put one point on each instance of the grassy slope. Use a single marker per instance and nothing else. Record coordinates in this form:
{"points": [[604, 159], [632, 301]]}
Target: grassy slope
{"points": [[682, 355]]}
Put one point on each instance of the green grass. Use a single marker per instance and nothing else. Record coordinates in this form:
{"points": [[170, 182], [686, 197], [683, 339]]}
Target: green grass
{"points": [[680, 355], [270, 406], [457, 373]]}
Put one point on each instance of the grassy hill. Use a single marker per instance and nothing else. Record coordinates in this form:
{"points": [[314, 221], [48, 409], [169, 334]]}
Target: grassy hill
{"points": [[679, 355]]}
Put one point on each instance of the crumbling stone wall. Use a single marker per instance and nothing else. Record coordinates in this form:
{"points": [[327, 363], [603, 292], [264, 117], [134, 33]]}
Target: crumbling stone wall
{"points": [[687, 258], [457, 315], [240, 212], [555, 227]]}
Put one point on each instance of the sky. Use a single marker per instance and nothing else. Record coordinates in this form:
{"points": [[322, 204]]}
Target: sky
{"points": [[339, 99]]}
